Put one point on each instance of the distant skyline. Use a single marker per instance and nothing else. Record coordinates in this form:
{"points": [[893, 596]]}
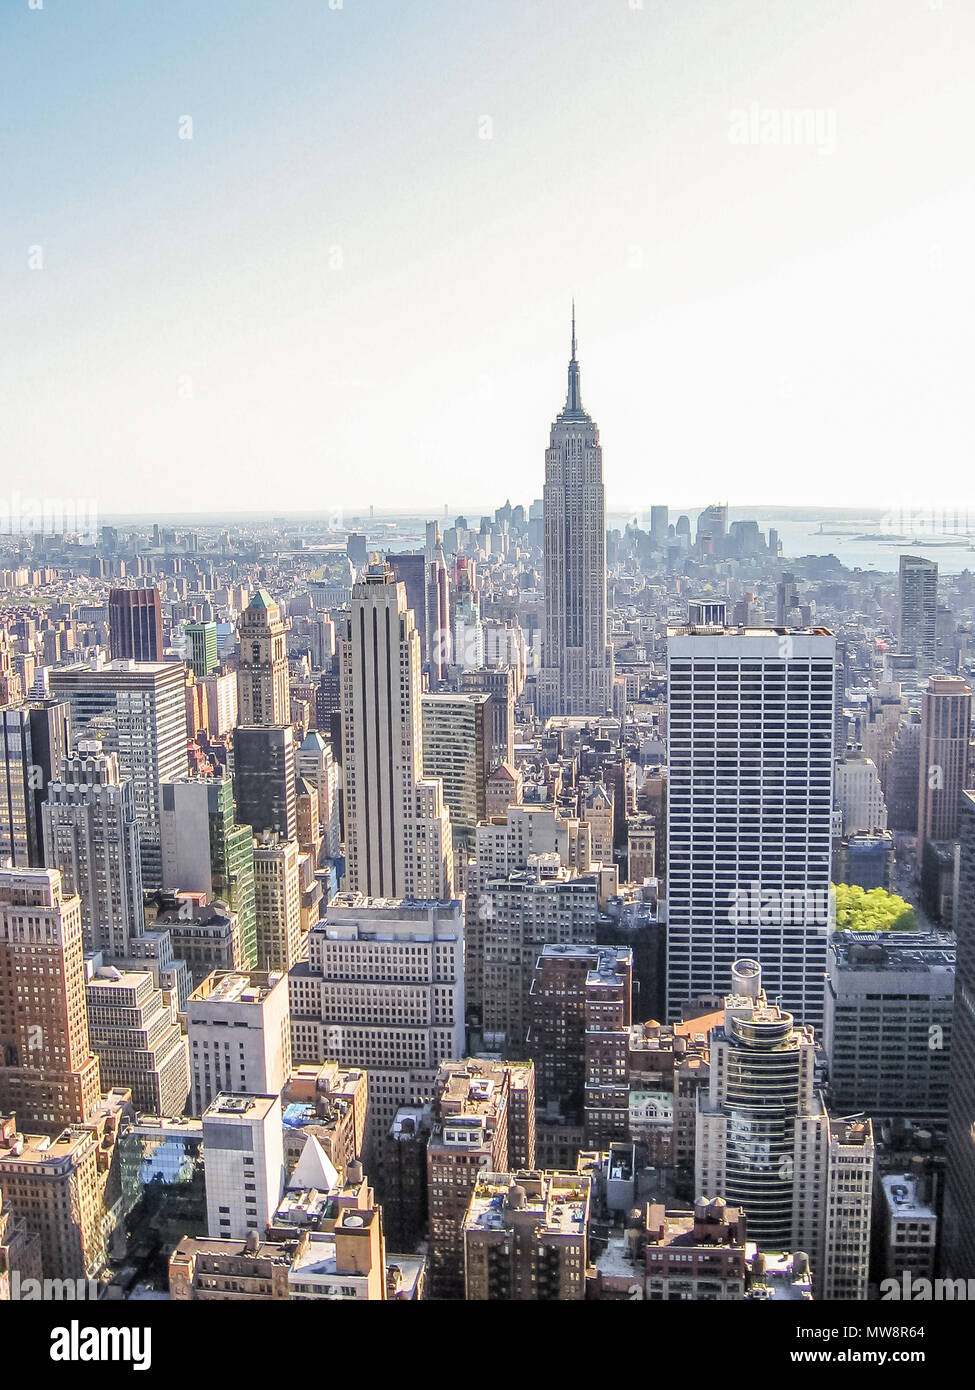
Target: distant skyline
{"points": [[353, 282], [487, 507]]}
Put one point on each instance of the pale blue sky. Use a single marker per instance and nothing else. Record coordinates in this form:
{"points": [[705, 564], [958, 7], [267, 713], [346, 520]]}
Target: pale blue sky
{"points": [[339, 289]]}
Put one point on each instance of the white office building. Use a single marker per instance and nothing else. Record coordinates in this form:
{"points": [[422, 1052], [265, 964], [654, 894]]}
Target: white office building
{"points": [[749, 811], [858, 794], [243, 1155], [239, 1030], [140, 709]]}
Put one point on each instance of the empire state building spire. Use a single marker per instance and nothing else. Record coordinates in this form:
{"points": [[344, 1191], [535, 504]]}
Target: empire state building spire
{"points": [[576, 676], [573, 401]]}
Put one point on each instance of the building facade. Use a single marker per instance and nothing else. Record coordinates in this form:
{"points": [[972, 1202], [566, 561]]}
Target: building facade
{"points": [[91, 834], [918, 610], [262, 676], [887, 1030], [382, 988], [243, 1148], [397, 827], [49, 1074], [135, 624], [33, 745], [577, 665], [141, 711], [749, 812]]}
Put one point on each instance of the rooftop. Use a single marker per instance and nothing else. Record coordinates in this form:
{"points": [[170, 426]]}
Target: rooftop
{"points": [[42, 1149], [557, 1204], [710, 631], [235, 987], [904, 1200], [189, 1248], [120, 979], [229, 1106], [781, 1279], [925, 952]]}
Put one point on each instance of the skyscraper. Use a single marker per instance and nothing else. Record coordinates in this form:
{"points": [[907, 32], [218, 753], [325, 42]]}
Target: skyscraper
{"points": [[580, 998], [858, 794], [577, 664], [438, 614], [457, 749], [523, 890], [252, 1008], [786, 601], [262, 677], [315, 761], [91, 835], [887, 1032], [749, 811], [918, 615], [143, 709], [411, 572], [499, 683], [137, 1039], [946, 723], [468, 635], [135, 624], [55, 1181], [264, 778], [48, 1073], [33, 741], [397, 828]]}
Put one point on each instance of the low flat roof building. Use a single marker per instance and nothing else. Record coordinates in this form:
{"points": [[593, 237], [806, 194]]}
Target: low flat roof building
{"points": [[888, 1022], [526, 1236]]}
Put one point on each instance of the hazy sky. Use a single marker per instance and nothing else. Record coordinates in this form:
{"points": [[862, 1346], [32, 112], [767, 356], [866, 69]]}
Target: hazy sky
{"points": [[352, 284]]}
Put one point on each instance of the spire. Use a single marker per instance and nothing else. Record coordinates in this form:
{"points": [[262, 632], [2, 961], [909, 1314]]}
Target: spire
{"points": [[573, 401]]}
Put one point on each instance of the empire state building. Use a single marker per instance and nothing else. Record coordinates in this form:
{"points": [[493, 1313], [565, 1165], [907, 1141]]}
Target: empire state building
{"points": [[577, 661]]}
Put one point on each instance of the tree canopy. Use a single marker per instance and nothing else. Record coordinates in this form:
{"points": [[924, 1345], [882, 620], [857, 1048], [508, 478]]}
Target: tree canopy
{"points": [[858, 909]]}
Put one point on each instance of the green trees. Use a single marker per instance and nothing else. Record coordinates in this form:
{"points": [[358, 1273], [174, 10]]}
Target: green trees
{"points": [[876, 910]]}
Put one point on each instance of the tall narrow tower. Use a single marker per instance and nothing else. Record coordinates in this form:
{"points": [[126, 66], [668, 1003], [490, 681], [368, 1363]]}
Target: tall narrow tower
{"points": [[918, 617], [577, 661], [946, 725], [397, 828], [262, 680]]}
